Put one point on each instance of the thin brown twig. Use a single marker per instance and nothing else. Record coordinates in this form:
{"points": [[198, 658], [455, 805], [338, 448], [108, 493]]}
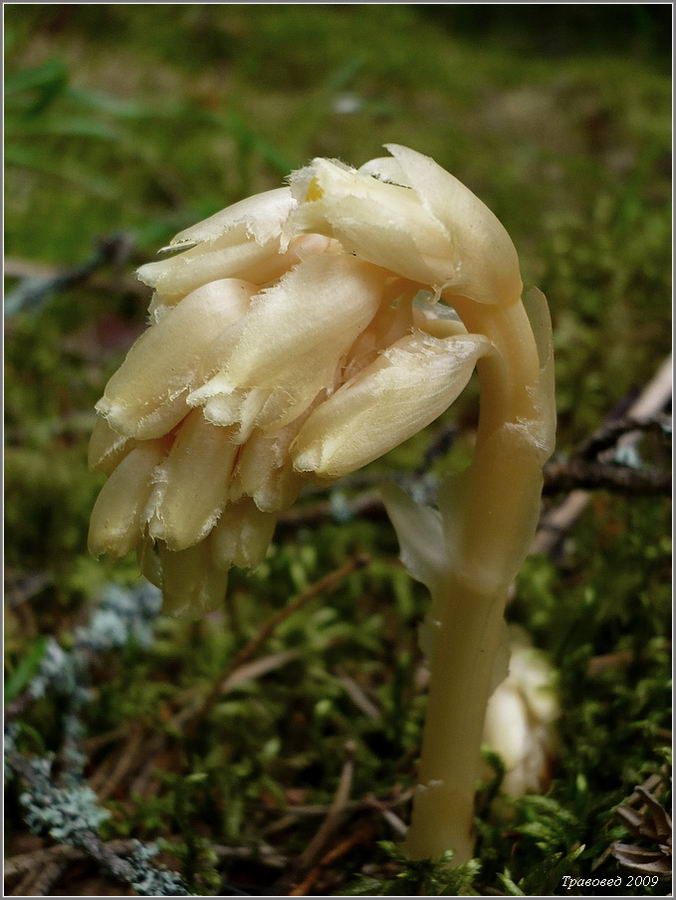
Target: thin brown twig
{"points": [[559, 477], [128, 758], [245, 673], [335, 813], [359, 697], [362, 834], [109, 737], [98, 778], [264, 854], [606, 661], [114, 249], [320, 809], [367, 505], [577, 474], [144, 781], [558, 520], [614, 430], [87, 839], [37, 882], [23, 862], [390, 817], [327, 583]]}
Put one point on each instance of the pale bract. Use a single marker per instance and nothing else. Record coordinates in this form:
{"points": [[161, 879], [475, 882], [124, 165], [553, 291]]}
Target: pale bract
{"points": [[296, 335]]}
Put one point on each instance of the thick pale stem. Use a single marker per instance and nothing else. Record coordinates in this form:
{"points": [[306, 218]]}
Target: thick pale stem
{"points": [[496, 520], [466, 640]]}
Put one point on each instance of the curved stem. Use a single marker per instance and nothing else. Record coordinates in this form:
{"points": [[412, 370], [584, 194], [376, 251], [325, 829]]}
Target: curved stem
{"points": [[491, 532]]}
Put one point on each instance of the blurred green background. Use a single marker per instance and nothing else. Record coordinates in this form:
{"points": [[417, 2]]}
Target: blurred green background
{"points": [[138, 120]]}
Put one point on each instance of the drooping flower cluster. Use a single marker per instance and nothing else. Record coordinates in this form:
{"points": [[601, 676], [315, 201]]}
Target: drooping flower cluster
{"points": [[288, 340]]}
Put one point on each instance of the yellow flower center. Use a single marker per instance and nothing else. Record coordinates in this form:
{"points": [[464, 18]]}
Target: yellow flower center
{"points": [[314, 191]]}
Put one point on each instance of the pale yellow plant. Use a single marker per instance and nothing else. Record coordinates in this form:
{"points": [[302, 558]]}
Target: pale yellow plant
{"points": [[301, 334], [520, 718]]}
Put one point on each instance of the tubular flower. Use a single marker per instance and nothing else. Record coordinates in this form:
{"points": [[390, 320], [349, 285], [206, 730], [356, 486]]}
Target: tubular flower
{"points": [[296, 335]]}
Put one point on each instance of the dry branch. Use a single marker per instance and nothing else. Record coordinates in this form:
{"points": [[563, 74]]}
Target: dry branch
{"points": [[328, 582], [335, 813], [650, 403]]}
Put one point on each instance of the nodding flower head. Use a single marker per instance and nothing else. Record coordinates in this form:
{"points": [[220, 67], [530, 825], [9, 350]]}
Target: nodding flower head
{"points": [[296, 335]]}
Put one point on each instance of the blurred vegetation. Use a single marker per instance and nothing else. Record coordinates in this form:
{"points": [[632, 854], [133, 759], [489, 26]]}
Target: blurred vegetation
{"points": [[138, 120]]}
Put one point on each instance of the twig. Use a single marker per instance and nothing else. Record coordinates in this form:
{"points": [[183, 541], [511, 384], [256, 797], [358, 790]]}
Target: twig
{"points": [[362, 834], [320, 809], [613, 430], [618, 660], [245, 673], [259, 667], [335, 813], [15, 865], [61, 854], [264, 854], [38, 882], [358, 697], [558, 520], [83, 838], [367, 506], [19, 587], [391, 818], [575, 474], [100, 740], [101, 774], [69, 811], [581, 474], [251, 647], [128, 758], [71, 816], [39, 281]]}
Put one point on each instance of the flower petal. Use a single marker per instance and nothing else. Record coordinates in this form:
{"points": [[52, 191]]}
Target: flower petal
{"points": [[116, 521], [543, 426], [264, 469], [487, 262], [293, 338], [387, 169], [382, 223], [149, 562], [191, 583], [191, 486], [145, 398], [420, 535], [107, 448], [242, 535], [317, 308], [174, 278], [224, 407], [262, 216], [437, 319], [403, 391], [393, 320]]}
